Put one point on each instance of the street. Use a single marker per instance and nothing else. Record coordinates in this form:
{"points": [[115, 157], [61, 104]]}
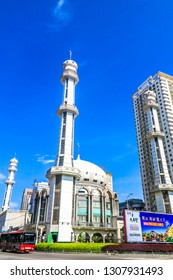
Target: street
{"points": [[81, 256]]}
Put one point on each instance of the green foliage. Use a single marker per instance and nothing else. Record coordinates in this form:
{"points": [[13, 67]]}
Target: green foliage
{"points": [[169, 239], [71, 247]]}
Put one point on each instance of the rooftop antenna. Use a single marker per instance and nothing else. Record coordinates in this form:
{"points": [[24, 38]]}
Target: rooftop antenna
{"points": [[70, 54]]}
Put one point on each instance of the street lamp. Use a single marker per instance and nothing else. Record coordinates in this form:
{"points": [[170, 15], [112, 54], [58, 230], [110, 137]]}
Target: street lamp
{"points": [[127, 200]]}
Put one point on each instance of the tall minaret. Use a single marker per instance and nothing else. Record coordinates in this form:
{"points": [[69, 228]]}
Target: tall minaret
{"points": [[9, 182], [67, 112], [62, 176]]}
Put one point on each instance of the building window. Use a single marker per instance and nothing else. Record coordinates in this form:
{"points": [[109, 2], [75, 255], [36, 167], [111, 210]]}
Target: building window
{"points": [[58, 182], [64, 117], [108, 205], [97, 209], [82, 206], [63, 131], [66, 88], [96, 219], [61, 161], [82, 218], [62, 146], [42, 209], [163, 179]]}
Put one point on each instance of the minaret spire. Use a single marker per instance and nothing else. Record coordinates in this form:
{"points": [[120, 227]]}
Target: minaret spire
{"points": [[70, 55], [78, 156]]}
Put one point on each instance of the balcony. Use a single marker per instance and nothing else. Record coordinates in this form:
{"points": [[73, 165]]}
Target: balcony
{"points": [[154, 134], [150, 104], [162, 187], [69, 73], [86, 225], [55, 170], [67, 108]]}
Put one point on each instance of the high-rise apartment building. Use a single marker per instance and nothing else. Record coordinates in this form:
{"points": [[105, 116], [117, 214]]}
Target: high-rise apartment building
{"points": [[153, 111]]}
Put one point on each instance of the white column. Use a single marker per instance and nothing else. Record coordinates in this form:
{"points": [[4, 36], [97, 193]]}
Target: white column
{"points": [[65, 216]]}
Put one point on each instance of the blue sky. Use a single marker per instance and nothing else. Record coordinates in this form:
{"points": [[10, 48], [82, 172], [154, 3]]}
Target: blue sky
{"points": [[117, 45]]}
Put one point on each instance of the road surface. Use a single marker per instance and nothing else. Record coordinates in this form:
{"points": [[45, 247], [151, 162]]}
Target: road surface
{"points": [[82, 256]]}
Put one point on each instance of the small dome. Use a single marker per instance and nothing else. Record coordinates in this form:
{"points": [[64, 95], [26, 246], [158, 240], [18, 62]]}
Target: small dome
{"points": [[70, 63], [14, 160], [91, 173]]}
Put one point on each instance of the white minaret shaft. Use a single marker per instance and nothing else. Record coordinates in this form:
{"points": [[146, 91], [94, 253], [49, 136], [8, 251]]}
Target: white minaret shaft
{"points": [[9, 182], [67, 111]]}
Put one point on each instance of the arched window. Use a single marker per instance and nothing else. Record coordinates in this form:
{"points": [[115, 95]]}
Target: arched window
{"points": [[82, 207], [97, 209], [108, 210]]}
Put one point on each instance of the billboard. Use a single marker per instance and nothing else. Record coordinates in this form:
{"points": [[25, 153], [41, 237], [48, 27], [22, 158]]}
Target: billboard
{"points": [[142, 226]]}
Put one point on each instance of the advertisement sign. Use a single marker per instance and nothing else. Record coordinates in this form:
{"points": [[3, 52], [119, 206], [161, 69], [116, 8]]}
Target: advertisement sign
{"points": [[132, 226], [143, 226]]}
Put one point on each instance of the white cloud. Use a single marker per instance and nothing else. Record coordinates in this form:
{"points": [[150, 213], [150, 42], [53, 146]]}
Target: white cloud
{"points": [[13, 205], [44, 159], [83, 63], [2, 176], [62, 12], [60, 3], [131, 151]]}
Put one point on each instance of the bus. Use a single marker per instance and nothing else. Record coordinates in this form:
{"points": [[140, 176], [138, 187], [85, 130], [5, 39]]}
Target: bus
{"points": [[17, 241]]}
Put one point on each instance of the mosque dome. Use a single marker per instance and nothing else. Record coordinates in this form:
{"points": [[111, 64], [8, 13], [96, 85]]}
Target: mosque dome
{"points": [[90, 172]]}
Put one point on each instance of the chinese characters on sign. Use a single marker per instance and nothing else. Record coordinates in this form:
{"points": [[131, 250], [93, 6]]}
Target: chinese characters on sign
{"points": [[148, 226]]}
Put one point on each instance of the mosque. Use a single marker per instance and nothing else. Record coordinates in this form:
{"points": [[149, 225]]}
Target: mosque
{"points": [[82, 204]]}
